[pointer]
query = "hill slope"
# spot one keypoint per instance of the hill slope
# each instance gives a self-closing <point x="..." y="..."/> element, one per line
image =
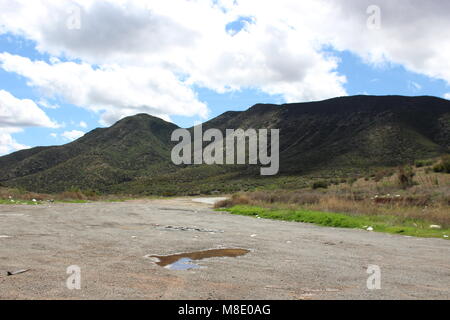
<point x="346" y="134"/>
<point x="100" y="158"/>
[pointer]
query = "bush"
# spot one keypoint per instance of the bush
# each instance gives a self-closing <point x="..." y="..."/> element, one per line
<point x="381" y="174"/>
<point x="351" y="181"/>
<point x="236" y="199"/>
<point x="444" y="165"/>
<point x="423" y="163"/>
<point x="320" y="184"/>
<point x="405" y="177"/>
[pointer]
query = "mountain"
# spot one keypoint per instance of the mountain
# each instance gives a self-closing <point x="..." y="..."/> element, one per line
<point x="102" y="157"/>
<point x="346" y="134"/>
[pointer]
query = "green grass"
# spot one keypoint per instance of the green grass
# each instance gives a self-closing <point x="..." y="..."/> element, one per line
<point x="388" y="224"/>
<point x="72" y="201"/>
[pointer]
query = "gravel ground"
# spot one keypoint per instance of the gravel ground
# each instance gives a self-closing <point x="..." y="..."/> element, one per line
<point x="111" y="242"/>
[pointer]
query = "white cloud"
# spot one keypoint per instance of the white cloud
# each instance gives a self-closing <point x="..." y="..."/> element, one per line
<point x="82" y="124"/>
<point x="447" y="96"/>
<point x="7" y="143"/>
<point x="161" y="46"/>
<point x="414" y="86"/>
<point x="148" y="56"/>
<point x="113" y="90"/>
<point x="412" y="33"/>
<point x="45" y="104"/>
<point x="72" y="135"/>
<point x="16" y="114"/>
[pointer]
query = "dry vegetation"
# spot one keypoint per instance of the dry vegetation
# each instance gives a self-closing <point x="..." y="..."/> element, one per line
<point x="416" y="193"/>
<point x="69" y="196"/>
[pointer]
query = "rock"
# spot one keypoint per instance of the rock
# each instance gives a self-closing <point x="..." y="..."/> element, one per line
<point x="435" y="226"/>
<point x="13" y="273"/>
<point x="369" y="229"/>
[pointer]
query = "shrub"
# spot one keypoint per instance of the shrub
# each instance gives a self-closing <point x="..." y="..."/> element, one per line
<point x="405" y="177"/>
<point x="423" y="163"/>
<point x="444" y="165"/>
<point x="236" y="199"/>
<point x="320" y="184"/>
<point x="351" y="181"/>
<point x="381" y="174"/>
<point x="90" y="193"/>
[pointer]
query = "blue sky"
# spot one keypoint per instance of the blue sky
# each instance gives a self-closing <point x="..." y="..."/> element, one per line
<point x="273" y="69"/>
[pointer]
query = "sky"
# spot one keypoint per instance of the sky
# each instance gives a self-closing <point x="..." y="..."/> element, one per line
<point x="70" y="66"/>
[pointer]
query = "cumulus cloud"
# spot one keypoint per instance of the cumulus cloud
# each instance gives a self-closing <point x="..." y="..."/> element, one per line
<point x="114" y="90"/>
<point x="72" y="135"/>
<point x="7" y="143"/>
<point x="412" y="33"/>
<point x="178" y="48"/>
<point x="107" y="30"/>
<point x="16" y="114"/>
<point x="83" y="124"/>
<point x="447" y="96"/>
<point x="134" y="56"/>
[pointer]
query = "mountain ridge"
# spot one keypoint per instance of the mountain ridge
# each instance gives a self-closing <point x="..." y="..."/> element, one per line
<point x="343" y="133"/>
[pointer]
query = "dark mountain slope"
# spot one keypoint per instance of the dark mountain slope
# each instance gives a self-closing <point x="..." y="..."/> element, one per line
<point x="351" y="131"/>
<point x="101" y="157"/>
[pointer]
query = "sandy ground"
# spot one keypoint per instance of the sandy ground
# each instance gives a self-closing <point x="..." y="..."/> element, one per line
<point x="110" y="242"/>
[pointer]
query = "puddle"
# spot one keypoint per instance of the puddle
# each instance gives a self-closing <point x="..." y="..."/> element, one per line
<point x="184" y="261"/>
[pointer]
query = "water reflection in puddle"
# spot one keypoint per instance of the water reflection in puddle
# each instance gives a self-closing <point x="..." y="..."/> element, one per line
<point x="182" y="264"/>
<point x="184" y="261"/>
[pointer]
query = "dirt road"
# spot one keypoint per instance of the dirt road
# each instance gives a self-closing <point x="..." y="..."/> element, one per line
<point x="112" y="242"/>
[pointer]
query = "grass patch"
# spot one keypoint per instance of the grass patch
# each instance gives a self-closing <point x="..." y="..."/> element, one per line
<point x="388" y="224"/>
<point x="72" y="201"/>
<point x="19" y="196"/>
